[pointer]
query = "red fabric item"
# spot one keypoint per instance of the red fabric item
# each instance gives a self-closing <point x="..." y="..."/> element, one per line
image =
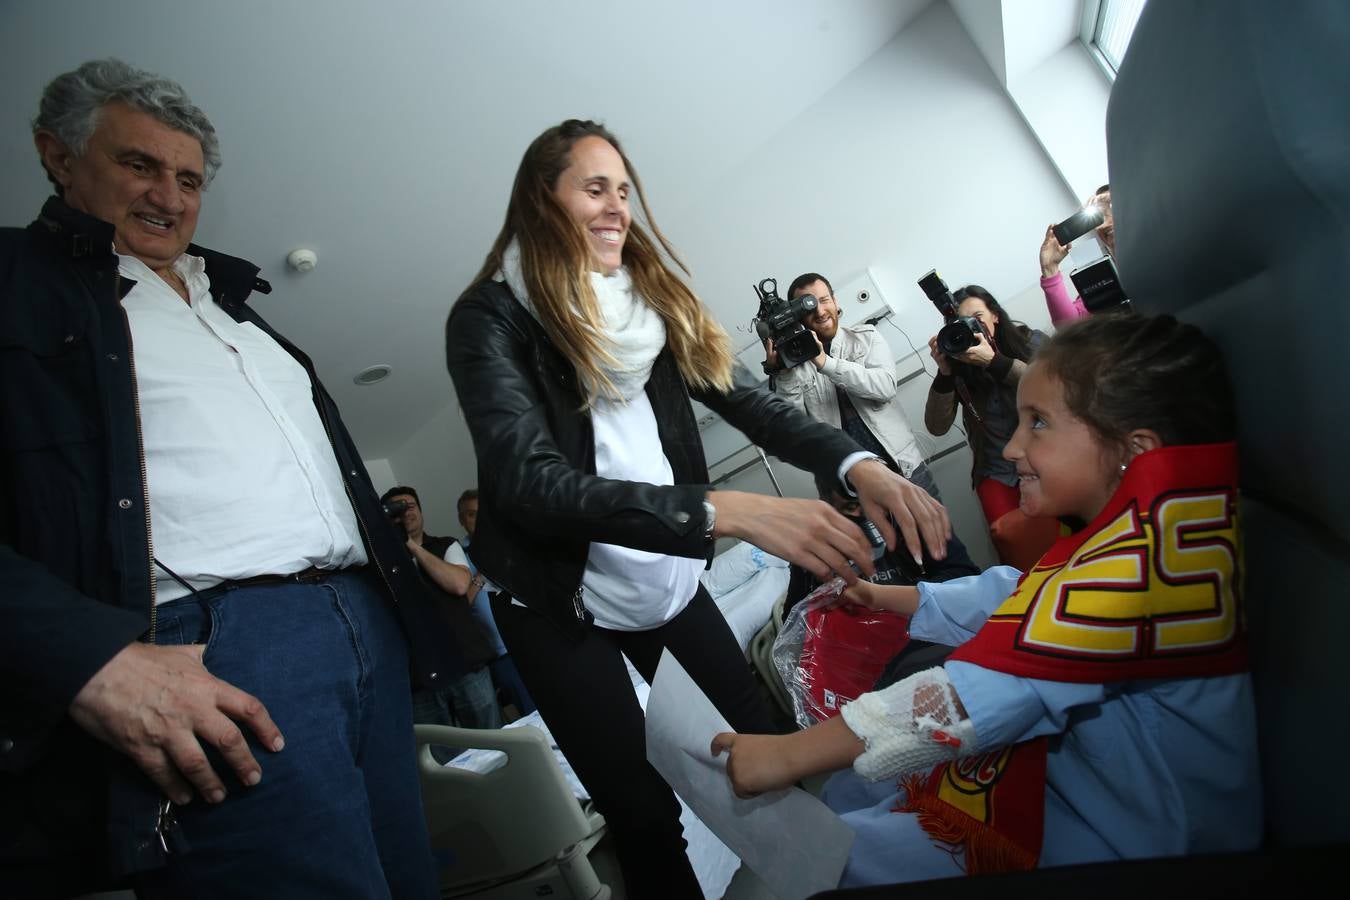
<point x="991" y="806"/>
<point x="997" y="499"/>
<point x="1019" y="539"/>
<point x="843" y="652"/>
<point x="1149" y="589"/>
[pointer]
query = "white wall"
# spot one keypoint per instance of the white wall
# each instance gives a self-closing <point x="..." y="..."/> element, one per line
<point x="1064" y="100"/>
<point x="381" y="473"/>
<point x="438" y="461"/>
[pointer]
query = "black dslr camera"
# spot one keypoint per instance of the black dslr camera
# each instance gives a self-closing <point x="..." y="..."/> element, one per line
<point x="961" y="332"/>
<point x="780" y="321"/>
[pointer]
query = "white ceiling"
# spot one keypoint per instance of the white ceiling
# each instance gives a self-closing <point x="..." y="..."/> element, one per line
<point x="385" y="136"/>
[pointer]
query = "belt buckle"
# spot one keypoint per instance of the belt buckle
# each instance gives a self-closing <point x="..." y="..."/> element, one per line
<point x="165" y="822"/>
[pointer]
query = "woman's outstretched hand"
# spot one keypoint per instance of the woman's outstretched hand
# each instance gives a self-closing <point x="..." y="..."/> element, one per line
<point x="810" y="533"/>
<point x="885" y="496"/>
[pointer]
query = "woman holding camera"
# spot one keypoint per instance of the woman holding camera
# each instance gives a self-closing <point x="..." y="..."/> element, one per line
<point x="983" y="379"/>
<point x="574" y="355"/>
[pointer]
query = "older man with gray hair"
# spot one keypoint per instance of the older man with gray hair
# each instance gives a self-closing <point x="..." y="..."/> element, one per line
<point x="205" y="684"/>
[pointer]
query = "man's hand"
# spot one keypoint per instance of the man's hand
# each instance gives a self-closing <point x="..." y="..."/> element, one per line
<point x="944" y="365"/>
<point x="158" y="704"/>
<point x="819" y="359"/>
<point x="770" y="354"/>
<point x="1052" y="253"/>
<point x="451" y="578"/>
<point x="755" y="762"/>
<point x="885" y="495"/>
<point x="810" y="533"/>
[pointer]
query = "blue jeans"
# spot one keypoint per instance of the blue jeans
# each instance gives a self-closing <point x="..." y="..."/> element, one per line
<point x="338" y="812"/>
<point x="468" y="702"/>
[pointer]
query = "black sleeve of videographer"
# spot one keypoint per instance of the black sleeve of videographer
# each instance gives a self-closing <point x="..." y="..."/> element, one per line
<point x="800" y="583"/>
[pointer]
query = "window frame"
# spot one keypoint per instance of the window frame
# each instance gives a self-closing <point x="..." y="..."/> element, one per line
<point x="1094" y="11"/>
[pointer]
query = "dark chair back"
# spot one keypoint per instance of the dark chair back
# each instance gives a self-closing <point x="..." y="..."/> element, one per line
<point x="1229" y="142"/>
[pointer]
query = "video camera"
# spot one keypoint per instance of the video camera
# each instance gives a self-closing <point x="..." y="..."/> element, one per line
<point x="780" y="321"/>
<point x="961" y="332"/>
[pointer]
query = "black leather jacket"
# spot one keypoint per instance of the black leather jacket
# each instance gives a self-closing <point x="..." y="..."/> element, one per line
<point x="540" y="502"/>
<point x="75" y="571"/>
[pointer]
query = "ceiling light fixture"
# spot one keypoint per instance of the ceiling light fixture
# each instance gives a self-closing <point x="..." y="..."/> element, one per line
<point x="373" y="374"/>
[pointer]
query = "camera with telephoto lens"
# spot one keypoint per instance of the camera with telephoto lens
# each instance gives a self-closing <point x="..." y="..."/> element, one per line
<point x="961" y="332"/>
<point x="780" y="321"/>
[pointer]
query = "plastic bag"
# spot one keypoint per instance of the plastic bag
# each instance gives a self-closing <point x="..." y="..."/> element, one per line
<point x="829" y="655"/>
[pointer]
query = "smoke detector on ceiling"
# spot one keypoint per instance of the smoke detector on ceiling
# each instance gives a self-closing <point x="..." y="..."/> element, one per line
<point x="302" y="260"/>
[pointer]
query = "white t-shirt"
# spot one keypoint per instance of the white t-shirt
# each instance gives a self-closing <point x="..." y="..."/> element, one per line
<point x="627" y="589"/>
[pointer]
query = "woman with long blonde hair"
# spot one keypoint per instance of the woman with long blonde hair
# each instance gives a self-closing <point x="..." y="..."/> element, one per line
<point x="574" y="355"/>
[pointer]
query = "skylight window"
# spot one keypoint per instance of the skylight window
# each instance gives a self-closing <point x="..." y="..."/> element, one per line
<point x="1114" y="28"/>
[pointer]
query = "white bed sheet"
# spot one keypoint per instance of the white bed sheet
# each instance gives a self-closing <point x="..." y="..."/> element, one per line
<point x="747" y="606"/>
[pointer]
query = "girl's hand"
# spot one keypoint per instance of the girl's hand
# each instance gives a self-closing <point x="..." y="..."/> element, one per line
<point x="756" y="763"/>
<point x="1052" y="253"/>
<point x="863" y="593"/>
<point x="896" y="598"/>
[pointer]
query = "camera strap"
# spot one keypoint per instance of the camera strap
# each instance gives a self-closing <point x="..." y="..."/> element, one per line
<point x="963" y="393"/>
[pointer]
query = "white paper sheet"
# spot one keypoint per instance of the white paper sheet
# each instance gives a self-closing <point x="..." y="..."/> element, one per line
<point x="790" y="839"/>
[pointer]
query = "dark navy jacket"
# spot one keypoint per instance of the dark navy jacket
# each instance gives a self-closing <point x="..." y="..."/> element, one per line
<point x="75" y="560"/>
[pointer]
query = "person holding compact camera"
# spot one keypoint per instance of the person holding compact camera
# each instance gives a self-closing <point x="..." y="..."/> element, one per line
<point x="979" y="366"/>
<point x="469" y="700"/>
<point x="1095" y="217"/>
<point x="849" y="380"/>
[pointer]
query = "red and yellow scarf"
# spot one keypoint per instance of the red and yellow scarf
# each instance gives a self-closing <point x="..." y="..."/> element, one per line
<point x="1149" y="589"/>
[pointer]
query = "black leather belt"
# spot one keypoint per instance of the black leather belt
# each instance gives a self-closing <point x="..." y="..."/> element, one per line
<point x="312" y="575"/>
<point x="308" y="576"/>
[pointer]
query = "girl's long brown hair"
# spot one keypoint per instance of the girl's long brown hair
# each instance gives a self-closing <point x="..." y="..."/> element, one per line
<point x="555" y="262"/>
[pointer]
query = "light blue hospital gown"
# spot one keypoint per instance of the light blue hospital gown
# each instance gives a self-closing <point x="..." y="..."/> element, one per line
<point x="1135" y="769"/>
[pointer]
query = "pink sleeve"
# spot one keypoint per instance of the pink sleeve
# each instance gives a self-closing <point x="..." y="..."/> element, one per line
<point x="1062" y="309"/>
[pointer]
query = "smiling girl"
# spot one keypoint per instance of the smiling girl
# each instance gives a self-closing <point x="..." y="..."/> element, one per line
<point x="1099" y="706"/>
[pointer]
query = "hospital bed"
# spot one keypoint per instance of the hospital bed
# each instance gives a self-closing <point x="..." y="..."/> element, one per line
<point x="508" y="818"/>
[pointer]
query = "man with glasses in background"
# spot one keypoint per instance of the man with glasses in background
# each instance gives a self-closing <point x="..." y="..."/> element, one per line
<point x="850" y="383"/>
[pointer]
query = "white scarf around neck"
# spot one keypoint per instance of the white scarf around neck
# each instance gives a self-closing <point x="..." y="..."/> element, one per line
<point x="633" y="331"/>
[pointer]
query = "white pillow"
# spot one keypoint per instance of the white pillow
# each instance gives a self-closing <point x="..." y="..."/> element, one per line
<point x="736" y="566"/>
